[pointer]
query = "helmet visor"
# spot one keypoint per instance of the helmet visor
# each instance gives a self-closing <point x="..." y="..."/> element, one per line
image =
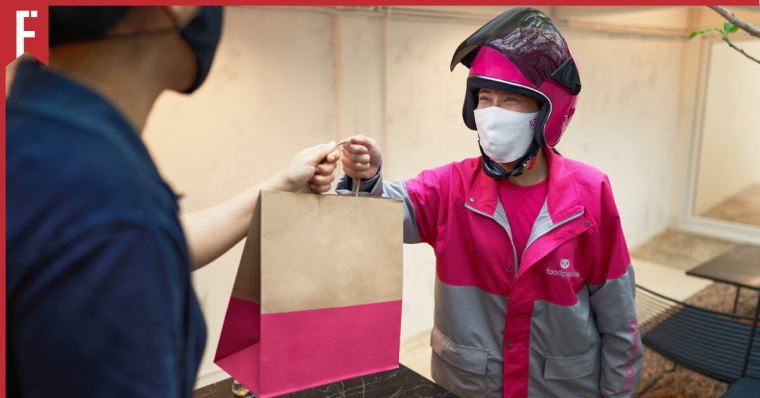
<point x="525" y="36"/>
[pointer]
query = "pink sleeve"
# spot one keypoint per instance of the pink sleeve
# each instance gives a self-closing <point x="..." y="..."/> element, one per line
<point x="612" y="256"/>
<point x="612" y="285"/>
<point x="429" y="195"/>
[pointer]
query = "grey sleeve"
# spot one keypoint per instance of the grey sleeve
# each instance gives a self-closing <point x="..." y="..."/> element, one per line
<point x="375" y="186"/>
<point x="622" y="353"/>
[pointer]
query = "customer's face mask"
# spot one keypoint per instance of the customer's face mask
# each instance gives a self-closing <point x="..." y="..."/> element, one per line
<point x="504" y="135"/>
<point x="202" y="34"/>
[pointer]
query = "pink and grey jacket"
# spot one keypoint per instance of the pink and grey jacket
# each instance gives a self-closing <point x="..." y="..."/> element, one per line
<point x="558" y="320"/>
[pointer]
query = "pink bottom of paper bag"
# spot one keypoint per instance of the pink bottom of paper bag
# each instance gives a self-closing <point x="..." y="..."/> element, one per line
<point x="238" y="350"/>
<point x="304" y="349"/>
<point x="241" y="327"/>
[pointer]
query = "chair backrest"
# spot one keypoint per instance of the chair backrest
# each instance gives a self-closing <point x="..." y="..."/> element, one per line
<point x="721" y="345"/>
<point x="751" y="363"/>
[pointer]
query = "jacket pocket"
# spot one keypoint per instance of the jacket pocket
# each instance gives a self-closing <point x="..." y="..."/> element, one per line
<point x="568" y="368"/>
<point x="469" y="359"/>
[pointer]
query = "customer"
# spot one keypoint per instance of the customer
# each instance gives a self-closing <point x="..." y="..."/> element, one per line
<point x="99" y="299"/>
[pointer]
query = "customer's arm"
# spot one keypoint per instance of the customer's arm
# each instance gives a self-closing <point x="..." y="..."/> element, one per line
<point x="211" y="232"/>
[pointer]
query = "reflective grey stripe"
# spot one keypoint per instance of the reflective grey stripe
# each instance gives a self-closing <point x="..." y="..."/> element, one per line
<point x="394" y="190"/>
<point x="472" y="319"/>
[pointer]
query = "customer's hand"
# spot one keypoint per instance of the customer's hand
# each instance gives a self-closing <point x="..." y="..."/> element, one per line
<point x="324" y="175"/>
<point x="311" y="170"/>
<point x="362" y="157"/>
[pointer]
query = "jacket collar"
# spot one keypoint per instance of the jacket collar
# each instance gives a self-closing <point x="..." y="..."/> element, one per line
<point x="563" y="199"/>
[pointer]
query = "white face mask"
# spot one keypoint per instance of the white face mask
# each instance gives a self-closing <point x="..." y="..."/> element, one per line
<point x="504" y="135"/>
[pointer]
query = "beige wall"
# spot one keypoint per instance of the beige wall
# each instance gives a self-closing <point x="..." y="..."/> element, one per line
<point x="271" y="92"/>
<point x="626" y="122"/>
<point x="285" y="79"/>
<point x="729" y="159"/>
<point x="635" y="19"/>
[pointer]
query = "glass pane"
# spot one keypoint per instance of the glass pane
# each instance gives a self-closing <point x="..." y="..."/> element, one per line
<point x="728" y="183"/>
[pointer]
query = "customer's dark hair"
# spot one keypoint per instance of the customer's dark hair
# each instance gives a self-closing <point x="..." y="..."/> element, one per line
<point x="74" y="24"/>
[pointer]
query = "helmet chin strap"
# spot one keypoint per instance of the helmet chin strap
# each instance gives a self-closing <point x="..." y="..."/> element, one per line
<point x="495" y="171"/>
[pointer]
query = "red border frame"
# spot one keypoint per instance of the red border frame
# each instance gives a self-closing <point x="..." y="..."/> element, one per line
<point x="7" y="50"/>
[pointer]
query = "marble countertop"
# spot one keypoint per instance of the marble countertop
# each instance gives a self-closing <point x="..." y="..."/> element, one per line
<point x="397" y="383"/>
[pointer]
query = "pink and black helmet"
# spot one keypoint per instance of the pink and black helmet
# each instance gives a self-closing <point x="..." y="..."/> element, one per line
<point x="522" y="52"/>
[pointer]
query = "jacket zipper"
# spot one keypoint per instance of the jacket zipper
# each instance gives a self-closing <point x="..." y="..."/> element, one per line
<point x="509" y="233"/>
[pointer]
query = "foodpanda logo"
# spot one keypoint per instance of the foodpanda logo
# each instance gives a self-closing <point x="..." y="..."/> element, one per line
<point x="533" y="123"/>
<point x="564" y="264"/>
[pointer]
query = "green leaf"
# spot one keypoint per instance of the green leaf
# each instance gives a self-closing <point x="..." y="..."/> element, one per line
<point x="729" y="28"/>
<point x="699" y="32"/>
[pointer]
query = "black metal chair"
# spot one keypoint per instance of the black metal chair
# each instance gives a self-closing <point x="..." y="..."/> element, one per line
<point x="747" y="387"/>
<point x="719" y="345"/>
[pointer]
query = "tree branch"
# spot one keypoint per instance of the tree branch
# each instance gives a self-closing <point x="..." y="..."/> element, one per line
<point x="742" y="24"/>
<point x="739" y="49"/>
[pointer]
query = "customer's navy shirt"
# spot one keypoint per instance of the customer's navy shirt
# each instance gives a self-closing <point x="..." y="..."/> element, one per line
<point x="99" y="300"/>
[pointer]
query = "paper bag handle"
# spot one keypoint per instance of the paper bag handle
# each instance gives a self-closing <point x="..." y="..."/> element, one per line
<point x="357" y="181"/>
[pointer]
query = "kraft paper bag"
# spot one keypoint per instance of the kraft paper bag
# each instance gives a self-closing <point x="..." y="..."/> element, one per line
<point x="317" y="297"/>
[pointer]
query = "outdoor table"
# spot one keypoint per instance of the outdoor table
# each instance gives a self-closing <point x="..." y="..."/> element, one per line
<point x="739" y="267"/>
<point x="399" y="383"/>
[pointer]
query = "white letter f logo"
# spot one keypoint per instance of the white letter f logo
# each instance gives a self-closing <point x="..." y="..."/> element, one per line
<point x="20" y="32"/>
